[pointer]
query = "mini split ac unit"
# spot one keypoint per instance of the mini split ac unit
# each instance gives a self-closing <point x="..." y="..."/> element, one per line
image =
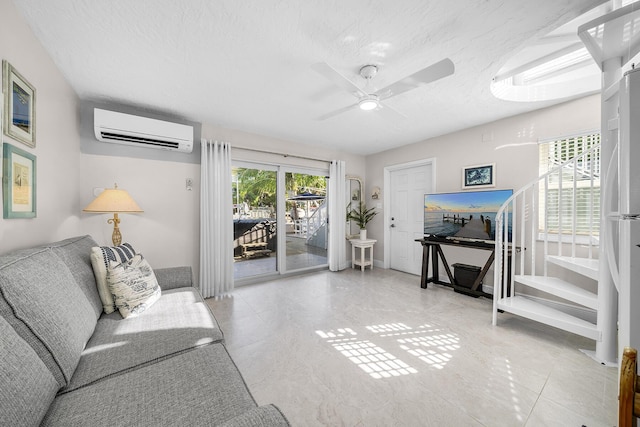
<point x="120" y="128"/>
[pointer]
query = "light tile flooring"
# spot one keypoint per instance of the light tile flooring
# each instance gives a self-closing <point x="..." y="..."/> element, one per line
<point x="374" y="349"/>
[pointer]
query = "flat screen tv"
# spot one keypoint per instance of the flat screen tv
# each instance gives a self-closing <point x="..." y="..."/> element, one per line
<point x="468" y="215"/>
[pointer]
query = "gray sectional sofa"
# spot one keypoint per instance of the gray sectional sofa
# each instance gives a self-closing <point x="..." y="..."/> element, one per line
<point x="63" y="362"/>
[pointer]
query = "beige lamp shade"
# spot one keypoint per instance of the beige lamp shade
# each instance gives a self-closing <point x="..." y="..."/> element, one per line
<point x="114" y="201"/>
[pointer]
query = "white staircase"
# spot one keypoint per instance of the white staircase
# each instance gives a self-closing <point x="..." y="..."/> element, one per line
<point x="317" y="232"/>
<point x="549" y="247"/>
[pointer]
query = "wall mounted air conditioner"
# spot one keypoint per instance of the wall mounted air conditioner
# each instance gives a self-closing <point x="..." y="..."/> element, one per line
<point x="127" y="129"/>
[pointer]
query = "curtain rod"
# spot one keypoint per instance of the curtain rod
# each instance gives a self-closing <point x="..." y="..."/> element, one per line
<point x="280" y="154"/>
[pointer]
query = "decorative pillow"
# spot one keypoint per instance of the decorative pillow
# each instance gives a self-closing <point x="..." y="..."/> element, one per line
<point x="101" y="256"/>
<point x="133" y="285"/>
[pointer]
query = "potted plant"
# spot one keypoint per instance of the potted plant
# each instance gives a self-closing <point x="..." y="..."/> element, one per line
<point x="361" y="216"/>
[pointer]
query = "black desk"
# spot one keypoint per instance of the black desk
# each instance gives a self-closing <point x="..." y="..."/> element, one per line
<point x="433" y="245"/>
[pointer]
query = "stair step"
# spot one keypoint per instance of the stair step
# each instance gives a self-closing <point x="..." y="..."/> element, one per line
<point x="525" y="307"/>
<point x="586" y="266"/>
<point x="560" y="288"/>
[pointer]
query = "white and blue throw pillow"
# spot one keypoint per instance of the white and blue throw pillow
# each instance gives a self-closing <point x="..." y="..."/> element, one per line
<point x="101" y="256"/>
<point x="133" y="285"/>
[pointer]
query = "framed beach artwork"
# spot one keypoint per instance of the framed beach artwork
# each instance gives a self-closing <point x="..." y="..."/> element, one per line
<point x="19" y="117"/>
<point x="480" y="176"/>
<point x="18" y="183"/>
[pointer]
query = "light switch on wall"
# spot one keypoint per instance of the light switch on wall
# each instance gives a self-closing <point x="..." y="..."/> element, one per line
<point x="189" y="184"/>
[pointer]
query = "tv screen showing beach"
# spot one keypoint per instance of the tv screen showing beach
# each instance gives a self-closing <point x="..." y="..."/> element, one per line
<point x="465" y="215"/>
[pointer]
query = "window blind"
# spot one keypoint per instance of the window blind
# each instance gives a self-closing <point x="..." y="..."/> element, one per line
<point x="560" y="200"/>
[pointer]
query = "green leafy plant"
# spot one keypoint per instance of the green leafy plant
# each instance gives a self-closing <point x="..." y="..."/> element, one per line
<point x="361" y="215"/>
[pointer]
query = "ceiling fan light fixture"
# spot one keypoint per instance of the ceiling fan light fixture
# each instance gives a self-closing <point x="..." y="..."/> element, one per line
<point x="368" y="103"/>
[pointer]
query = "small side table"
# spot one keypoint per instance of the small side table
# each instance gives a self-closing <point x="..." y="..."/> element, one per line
<point x="363" y="245"/>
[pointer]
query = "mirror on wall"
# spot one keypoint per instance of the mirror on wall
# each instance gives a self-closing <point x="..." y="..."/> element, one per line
<point x="354" y="194"/>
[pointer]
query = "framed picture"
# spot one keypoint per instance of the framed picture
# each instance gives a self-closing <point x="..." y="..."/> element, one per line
<point x="19" y="116"/>
<point x="18" y="183"/>
<point x="480" y="176"/>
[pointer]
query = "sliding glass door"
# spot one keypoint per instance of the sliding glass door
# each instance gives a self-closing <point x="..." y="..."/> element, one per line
<point x="280" y="219"/>
<point x="307" y="221"/>
<point x="254" y="190"/>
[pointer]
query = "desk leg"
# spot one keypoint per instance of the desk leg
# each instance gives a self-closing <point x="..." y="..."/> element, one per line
<point x="446" y="266"/>
<point x="371" y="253"/>
<point x="483" y="273"/>
<point x="435" y="265"/>
<point x="425" y="266"/>
<point x="362" y="257"/>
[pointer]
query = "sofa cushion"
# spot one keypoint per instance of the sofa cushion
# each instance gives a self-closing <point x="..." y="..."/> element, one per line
<point x="174" y="277"/>
<point x="100" y="258"/>
<point x="133" y="286"/>
<point x="178" y="321"/>
<point x="198" y="387"/>
<point x="76" y="254"/>
<point x="27" y="387"/>
<point x="40" y="298"/>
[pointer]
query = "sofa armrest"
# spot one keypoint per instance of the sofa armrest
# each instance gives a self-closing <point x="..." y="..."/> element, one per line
<point x="268" y="415"/>
<point x="174" y="277"/>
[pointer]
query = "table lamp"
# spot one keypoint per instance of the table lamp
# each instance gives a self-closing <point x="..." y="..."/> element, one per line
<point x="114" y="201"/>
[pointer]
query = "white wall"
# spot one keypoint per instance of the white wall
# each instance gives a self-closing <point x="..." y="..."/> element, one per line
<point x="57" y="139"/>
<point x="166" y="233"/>
<point x="510" y="143"/>
<point x="355" y="164"/>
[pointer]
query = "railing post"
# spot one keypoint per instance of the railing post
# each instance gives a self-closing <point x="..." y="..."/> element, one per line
<point x="497" y="274"/>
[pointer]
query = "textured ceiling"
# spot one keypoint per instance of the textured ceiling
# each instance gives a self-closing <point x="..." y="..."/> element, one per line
<point x="246" y="64"/>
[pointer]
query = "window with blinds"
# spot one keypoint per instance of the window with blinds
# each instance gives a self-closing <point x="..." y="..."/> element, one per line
<point x="571" y="202"/>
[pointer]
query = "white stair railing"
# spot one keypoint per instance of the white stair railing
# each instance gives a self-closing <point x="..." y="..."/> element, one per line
<point x="317" y="220"/>
<point x="551" y="216"/>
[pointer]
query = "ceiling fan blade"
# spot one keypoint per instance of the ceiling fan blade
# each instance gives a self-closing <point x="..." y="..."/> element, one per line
<point x="338" y="79"/>
<point x="426" y="75"/>
<point x="390" y="113"/>
<point x="336" y="112"/>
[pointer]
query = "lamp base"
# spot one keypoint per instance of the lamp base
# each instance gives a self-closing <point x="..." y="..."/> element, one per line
<point x="116" y="237"/>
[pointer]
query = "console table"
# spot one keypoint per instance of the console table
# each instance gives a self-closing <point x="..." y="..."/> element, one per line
<point x="363" y="245"/>
<point x="432" y="245"/>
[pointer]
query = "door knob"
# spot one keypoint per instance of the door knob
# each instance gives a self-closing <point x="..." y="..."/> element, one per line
<point x="393" y="225"/>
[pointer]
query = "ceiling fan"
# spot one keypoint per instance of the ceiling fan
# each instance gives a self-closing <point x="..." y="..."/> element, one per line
<point x="373" y="100"/>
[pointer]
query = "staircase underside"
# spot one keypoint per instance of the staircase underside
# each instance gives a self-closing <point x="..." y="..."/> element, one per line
<point x="560" y="288"/>
<point x="577" y="297"/>
<point x="588" y="267"/>
<point x="525" y="307"/>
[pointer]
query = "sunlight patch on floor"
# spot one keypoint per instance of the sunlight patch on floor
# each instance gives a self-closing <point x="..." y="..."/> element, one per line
<point x="434" y="349"/>
<point x="368" y="356"/>
<point x="502" y="369"/>
<point x="374" y="360"/>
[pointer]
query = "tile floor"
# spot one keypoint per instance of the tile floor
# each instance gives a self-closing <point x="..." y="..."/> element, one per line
<point x="374" y="349"/>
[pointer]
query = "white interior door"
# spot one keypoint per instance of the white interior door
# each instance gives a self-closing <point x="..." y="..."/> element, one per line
<point x="407" y="189"/>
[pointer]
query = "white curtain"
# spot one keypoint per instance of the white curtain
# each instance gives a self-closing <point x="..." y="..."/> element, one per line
<point x="337" y="216"/>
<point x="216" y="219"/>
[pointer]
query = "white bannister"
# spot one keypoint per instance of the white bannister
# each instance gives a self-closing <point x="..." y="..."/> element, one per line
<point x="518" y="231"/>
<point x="317" y="219"/>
